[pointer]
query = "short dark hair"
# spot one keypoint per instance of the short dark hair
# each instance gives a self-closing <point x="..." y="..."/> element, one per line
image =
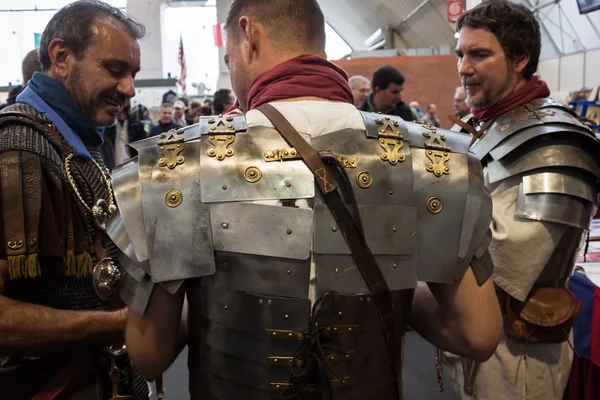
<point x="72" y="24"/>
<point x="221" y="97"/>
<point x="299" y="22"/>
<point x="386" y="75"/>
<point x="206" y="111"/>
<point x="514" y="25"/>
<point x="30" y="65"/>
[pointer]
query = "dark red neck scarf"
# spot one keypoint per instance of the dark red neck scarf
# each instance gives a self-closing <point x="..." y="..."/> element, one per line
<point x="304" y="76"/>
<point x="533" y="89"/>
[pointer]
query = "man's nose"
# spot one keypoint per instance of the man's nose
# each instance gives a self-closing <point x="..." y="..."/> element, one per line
<point x="126" y="87"/>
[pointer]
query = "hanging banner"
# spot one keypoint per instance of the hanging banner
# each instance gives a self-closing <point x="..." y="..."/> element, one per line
<point x="218" y="35"/>
<point x="37" y="38"/>
<point x="455" y="9"/>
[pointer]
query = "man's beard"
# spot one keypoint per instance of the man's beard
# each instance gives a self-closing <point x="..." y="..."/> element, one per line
<point x="82" y="98"/>
<point x="487" y="99"/>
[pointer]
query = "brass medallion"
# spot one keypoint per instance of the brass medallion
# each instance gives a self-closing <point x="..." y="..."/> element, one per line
<point x="435" y="205"/>
<point x="173" y="198"/>
<point x="364" y="179"/>
<point x="253" y="174"/>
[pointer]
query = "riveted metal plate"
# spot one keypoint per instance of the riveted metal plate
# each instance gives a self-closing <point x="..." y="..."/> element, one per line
<point x="266" y="275"/>
<point x="557" y="208"/>
<point x="557" y="154"/>
<point x="553" y="182"/>
<point x="126" y="184"/>
<point x="389" y="230"/>
<point x="248" y="313"/>
<point x="181" y="237"/>
<point x="231" y="223"/>
<point x="223" y="181"/>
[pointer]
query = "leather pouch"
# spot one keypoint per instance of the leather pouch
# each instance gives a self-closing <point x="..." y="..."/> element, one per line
<point x="546" y="316"/>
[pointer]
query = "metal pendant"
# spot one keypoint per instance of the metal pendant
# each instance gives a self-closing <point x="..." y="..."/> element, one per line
<point x="101" y="211"/>
<point x="105" y="278"/>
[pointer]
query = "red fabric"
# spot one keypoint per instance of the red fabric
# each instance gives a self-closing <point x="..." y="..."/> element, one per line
<point x="533" y="89"/>
<point x="304" y="76"/>
<point x="584" y="381"/>
<point x="595" y="338"/>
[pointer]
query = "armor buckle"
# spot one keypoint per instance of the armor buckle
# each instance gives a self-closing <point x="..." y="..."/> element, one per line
<point x="437" y="151"/>
<point x="171" y="145"/>
<point x="289" y="153"/>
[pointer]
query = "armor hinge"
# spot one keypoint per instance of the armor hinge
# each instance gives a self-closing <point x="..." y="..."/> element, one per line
<point x="391" y="140"/>
<point x="340" y="382"/>
<point x="221" y="135"/>
<point x="170" y="146"/>
<point x="341" y="329"/>
<point x="281" y="154"/>
<point x="279" y="386"/>
<point x="279" y="334"/>
<point x="348" y="161"/>
<point x="338" y="358"/>
<point x="285" y="361"/>
<point x="437" y="151"/>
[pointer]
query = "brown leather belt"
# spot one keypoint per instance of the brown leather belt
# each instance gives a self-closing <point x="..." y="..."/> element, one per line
<point x="352" y="234"/>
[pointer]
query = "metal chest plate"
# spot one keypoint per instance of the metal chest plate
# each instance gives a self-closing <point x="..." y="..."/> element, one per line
<point x="264" y="230"/>
<point x="229" y="179"/>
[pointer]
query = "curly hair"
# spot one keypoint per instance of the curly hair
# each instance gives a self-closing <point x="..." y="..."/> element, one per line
<point x="515" y="27"/>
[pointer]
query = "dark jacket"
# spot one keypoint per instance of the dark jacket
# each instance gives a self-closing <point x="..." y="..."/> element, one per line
<point x="136" y="130"/>
<point x="162" y="128"/>
<point x="401" y="110"/>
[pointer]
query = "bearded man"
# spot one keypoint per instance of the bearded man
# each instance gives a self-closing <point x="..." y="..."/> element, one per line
<point x="61" y="334"/>
<point x="541" y="167"/>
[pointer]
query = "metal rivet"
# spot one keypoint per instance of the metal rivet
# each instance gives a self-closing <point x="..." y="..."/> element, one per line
<point x="290" y="334"/>
<point x="225" y="225"/>
<point x="362" y="299"/>
<point x="286" y="316"/>
<point x="289" y="272"/>
<point x="274" y="334"/>
<point x="340" y="314"/>
<point x="275" y="360"/>
<point x="226" y="307"/>
<point x="333" y="228"/>
<point x="394" y="229"/>
<point x="224" y="187"/>
<point x="391" y="193"/>
<point x="260" y="301"/>
<point x="368" y="299"/>
<point x="337" y="270"/>
<point x="335" y="329"/>
<point x="395" y="265"/>
<point x="289" y="231"/>
<point x="349" y="329"/>
<point x="269" y="302"/>
<point x="288" y="184"/>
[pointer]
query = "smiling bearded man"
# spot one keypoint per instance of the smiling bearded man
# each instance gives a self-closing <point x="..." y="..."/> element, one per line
<point x="541" y="167"/>
<point x="56" y="330"/>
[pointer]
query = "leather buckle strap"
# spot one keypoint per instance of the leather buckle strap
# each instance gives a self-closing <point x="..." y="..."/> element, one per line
<point x="352" y="234"/>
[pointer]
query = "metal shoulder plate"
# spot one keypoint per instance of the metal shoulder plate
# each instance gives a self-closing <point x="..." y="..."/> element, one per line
<point x="416" y="187"/>
<point x="538" y="118"/>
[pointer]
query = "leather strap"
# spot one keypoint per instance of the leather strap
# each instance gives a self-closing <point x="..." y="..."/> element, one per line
<point x="354" y="238"/>
<point x="68" y="378"/>
<point x="32" y="190"/>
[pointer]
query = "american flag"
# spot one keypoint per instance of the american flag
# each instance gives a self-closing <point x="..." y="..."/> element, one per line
<point x="183" y="75"/>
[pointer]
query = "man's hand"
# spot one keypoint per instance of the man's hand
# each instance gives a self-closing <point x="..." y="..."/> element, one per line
<point x="462" y="318"/>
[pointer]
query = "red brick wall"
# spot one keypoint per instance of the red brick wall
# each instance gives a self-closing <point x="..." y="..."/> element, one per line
<point x="429" y="79"/>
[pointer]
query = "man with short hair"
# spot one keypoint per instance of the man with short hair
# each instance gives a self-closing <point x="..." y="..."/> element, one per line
<point x="61" y="331"/>
<point x="222" y="101"/>
<point x="165" y="121"/>
<point x="193" y="112"/>
<point x="244" y="229"/>
<point x="461" y="109"/>
<point x="179" y="109"/>
<point x="386" y="98"/>
<point x="360" y="88"/>
<point x="541" y="166"/>
<point x="431" y="116"/>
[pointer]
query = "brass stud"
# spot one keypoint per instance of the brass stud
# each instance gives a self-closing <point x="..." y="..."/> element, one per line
<point x="335" y="329"/>
<point x="163" y="136"/>
<point x="350" y="329"/>
<point x="337" y="270"/>
<point x="333" y="228"/>
<point x="289" y="272"/>
<point x="288" y="184"/>
<point x="224" y="187"/>
<point x="274" y="334"/>
<point x="253" y="174"/>
<point x="289" y="231"/>
<point x="435" y="205"/>
<point x="226" y="307"/>
<point x="391" y="193"/>
<point x="348" y="356"/>
<point x="173" y="198"/>
<point x="275" y="360"/>
<point x="290" y="334"/>
<point x="225" y="225"/>
<point x="364" y="179"/>
<point x="286" y="316"/>
<point x="394" y="229"/>
<point x="340" y="314"/>
<point x="395" y="265"/>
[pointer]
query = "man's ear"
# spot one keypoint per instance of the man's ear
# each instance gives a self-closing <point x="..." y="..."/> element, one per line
<point x="249" y="36"/>
<point x="60" y="57"/>
<point x="521" y="62"/>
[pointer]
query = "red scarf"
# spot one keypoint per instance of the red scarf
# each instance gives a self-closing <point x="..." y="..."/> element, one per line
<point x="533" y="89"/>
<point x="304" y="76"/>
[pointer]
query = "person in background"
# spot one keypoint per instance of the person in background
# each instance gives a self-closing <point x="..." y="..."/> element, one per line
<point x="461" y="109"/>
<point x="361" y="88"/>
<point x="165" y="121"/>
<point x="29" y="65"/>
<point x="179" y="113"/>
<point x="388" y="84"/>
<point x="431" y="116"/>
<point x="192" y="112"/>
<point x="417" y="108"/>
<point x="208" y="103"/>
<point x="222" y="101"/>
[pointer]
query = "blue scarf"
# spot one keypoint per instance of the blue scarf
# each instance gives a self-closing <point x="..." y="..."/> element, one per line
<point x="55" y="95"/>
